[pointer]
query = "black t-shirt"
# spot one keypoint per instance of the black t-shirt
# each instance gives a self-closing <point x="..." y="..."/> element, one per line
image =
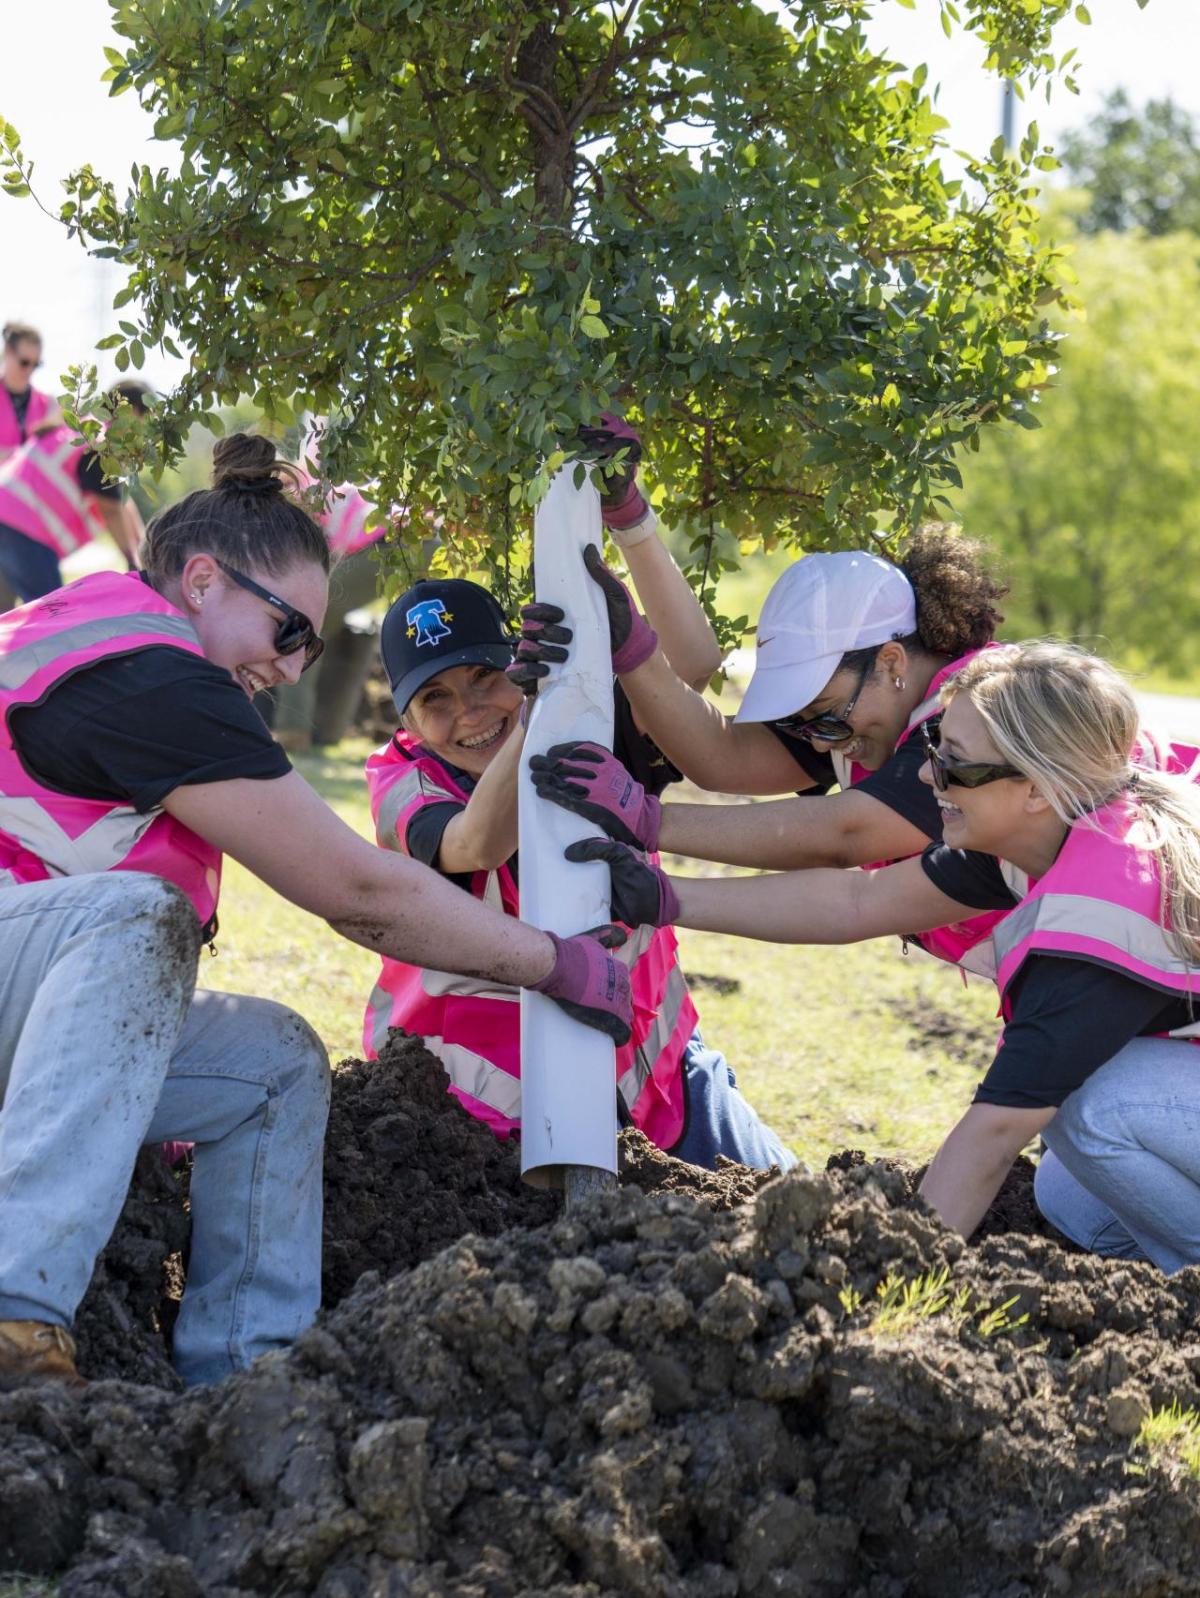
<point x="20" y="405"/>
<point x="91" y="478"/>
<point x="1069" y="1015"/>
<point x="639" y="754"/>
<point x="132" y="728"/>
<point x="896" y="783"/>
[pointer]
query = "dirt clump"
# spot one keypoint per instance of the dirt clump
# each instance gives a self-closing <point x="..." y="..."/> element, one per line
<point x="653" y="1397"/>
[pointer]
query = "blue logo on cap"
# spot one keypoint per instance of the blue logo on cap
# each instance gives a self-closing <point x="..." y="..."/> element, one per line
<point x="427" y="622"/>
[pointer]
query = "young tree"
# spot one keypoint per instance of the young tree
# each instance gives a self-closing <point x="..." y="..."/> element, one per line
<point x="1097" y="511"/>
<point x="462" y="229"/>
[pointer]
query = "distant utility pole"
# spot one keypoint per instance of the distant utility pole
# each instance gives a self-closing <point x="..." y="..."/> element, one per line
<point x="1008" y="113"/>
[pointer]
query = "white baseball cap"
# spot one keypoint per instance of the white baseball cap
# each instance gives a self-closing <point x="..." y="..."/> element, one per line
<point x="822" y="607"/>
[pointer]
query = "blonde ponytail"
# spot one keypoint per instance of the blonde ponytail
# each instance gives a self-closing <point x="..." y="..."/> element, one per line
<point x="1070" y="722"/>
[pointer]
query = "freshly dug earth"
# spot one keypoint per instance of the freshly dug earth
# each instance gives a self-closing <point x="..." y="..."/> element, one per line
<point x="668" y="1393"/>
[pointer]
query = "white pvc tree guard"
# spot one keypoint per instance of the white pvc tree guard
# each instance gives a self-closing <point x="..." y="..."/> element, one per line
<point x="568" y="1074"/>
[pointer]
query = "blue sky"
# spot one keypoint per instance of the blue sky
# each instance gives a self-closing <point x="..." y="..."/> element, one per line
<point x="52" y="93"/>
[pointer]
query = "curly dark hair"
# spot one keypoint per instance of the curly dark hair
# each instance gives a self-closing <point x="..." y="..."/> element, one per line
<point x="246" y="518"/>
<point x="956" y="596"/>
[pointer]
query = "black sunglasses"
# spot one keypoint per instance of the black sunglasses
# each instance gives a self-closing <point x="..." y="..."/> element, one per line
<point x="828" y="727"/>
<point x="295" y="631"/>
<point x="965" y="774"/>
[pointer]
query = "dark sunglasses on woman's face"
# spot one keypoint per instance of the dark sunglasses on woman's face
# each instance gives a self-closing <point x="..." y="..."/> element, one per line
<point x="294" y="632"/>
<point x="829" y="727"/>
<point x="961" y="774"/>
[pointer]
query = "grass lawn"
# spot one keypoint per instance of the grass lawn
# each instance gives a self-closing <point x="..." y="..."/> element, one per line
<point x="837" y="1048"/>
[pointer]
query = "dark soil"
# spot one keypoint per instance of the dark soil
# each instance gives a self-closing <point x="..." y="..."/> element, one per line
<point x="669" y="1394"/>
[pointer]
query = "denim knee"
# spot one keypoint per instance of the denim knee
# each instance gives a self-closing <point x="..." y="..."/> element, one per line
<point x="299" y="1061"/>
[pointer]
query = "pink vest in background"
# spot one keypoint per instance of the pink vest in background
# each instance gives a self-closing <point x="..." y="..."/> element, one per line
<point x="345" y="522"/>
<point x="44" y="833"/>
<point x="12" y="435"/>
<point x="40" y="494"/>
<point x="966" y="944"/>
<point x="474" y="1026"/>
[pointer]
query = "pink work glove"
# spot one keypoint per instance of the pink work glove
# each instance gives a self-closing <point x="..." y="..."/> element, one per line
<point x="543" y="643"/>
<point x="622" y="504"/>
<point x="589" y="780"/>
<point x="630" y="636"/>
<point x="589" y="983"/>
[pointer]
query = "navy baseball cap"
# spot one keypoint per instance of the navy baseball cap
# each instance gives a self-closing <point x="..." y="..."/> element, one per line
<point x="438" y="624"/>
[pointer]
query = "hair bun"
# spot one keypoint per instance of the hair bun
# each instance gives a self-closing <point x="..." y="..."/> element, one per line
<point x="248" y="464"/>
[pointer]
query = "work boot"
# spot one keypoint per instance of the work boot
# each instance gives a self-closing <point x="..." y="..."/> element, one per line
<point x="32" y="1351"/>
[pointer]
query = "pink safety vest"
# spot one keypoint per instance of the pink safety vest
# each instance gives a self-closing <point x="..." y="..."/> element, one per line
<point x="966" y="944"/>
<point x="44" y="833"/>
<point x="40" y="494"/>
<point x="1101" y="899"/>
<point x="345" y="522"/>
<point x="12" y="434"/>
<point x="474" y="1026"/>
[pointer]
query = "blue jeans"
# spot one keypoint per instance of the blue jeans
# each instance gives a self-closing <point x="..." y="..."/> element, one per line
<point x="1122" y="1171"/>
<point x="31" y="568"/>
<point x="104" y="1047"/>
<point x="719" y="1120"/>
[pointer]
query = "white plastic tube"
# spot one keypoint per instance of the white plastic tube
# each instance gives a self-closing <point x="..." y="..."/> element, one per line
<point x="568" y="1072"/>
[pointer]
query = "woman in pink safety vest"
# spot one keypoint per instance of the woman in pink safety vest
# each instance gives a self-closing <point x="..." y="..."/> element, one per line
<point x="131" y="760"/>
<point x="444" y="790"/>
<point x="852" y="651"/>
<point x="22" y="407"/>
<point x="54" y="499"/>
<point x="1085" y="830"/>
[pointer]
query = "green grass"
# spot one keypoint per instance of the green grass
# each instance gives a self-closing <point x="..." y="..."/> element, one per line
<point x="836" y="1047"/>
<point x="1171" y="1435"/>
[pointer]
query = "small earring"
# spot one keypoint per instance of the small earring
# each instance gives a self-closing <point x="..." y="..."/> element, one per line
<point x="900" y="683"/>
<point x="197" y="599"/>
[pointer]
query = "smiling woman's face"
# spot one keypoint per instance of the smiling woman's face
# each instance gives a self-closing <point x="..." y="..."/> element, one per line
<point x="879" y="713"/>
<point x="997" y="818"/>
<point x="465" y="714"/>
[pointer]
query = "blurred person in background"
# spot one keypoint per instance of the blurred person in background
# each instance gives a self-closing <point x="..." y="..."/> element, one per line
<point x="22" y="407"/>
<point x="54" y="498"/>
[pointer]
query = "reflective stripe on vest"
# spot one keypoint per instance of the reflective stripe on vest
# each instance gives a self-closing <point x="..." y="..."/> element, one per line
<point x="40" y="493"/>
<point x="18" y="666"/>
<point x="1101" y="901"/>
<point x="45" y="833"/>
<point x="666" y="1019"/>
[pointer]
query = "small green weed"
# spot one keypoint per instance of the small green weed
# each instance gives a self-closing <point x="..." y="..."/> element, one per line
<point x="903" y="1304"/>
<point x="1170" y="1434"/>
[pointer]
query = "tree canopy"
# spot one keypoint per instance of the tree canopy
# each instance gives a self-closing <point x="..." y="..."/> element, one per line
<point x="1139" y="169"/>
<point x="1096" y="511"/>
<point x="462" y="229"/>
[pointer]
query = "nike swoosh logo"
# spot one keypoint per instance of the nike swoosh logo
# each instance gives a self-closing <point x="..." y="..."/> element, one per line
<point x="763" y="641"/>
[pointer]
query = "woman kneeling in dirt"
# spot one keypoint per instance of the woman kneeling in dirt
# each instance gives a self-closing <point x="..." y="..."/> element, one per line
<point x="852" y="652"/>
<point x="444" y="791"/>
<point x="131" y="757"/>
<point x="1087" y="832"/>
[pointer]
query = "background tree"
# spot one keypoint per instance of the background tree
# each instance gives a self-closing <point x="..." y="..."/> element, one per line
<point x="461" y="229"/>
<point x="1139" y="169"/>
<point x="1096" y="512"/>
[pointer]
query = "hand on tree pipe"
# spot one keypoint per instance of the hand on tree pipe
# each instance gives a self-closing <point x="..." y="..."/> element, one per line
<point x="630" y="635"/>
<point x="589" y="984"/>
<point x="623" y="507"/>
<point x="543" y="642"/>
<point x="589" y="780"/>
<point x="642" y="895"/>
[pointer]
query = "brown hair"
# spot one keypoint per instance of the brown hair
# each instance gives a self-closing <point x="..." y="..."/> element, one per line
<point x="15" y="331"/>
<point x="246" y="518"/>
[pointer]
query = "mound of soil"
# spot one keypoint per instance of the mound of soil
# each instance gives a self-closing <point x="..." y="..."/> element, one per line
<point x="688" y="1393"/>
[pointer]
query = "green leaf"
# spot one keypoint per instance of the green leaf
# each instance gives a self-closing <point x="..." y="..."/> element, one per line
<point x="592" y="327"/>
